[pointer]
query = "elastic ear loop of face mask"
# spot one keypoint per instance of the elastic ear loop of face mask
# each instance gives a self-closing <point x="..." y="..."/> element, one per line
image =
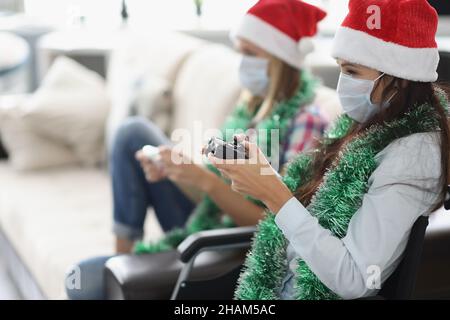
<point x="389" y="100"/>
<point x="375" y="80"/>
<point x="392" y="96"/>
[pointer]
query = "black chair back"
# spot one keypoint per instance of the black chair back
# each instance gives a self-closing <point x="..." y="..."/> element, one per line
<point x="219" y="288"/>
<point x="444" y="67"/>
<point x="400" y="285"/>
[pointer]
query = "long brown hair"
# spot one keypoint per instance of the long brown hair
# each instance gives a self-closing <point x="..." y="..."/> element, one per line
<point x="284" y="82"/>
<point x="408" y="94"/>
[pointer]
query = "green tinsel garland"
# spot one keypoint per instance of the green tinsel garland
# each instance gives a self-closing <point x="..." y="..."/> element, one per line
<point x="207" y="215"/>
<point x="334" y="204"/>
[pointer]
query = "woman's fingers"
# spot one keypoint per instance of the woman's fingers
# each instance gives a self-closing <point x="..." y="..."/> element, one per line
<point x="164" y="148"/>
<point x="224" y="174"/>
<point x="138" y="155"/>
<point x="222" y="164"/>
<point x="203" y="150"/>
<point x="171" y="157"/>
<point x="165" y="152"/>
<point x="168" y="157"/>
<point x="240" y="137"/>
<point x="232" y="171"/>
<point x="143" y="160"/>
<point x="141" y="157"/>
<point x="213" y="161"/>
<point x="238" y="186"/>
<point x="152" y="172"/>
<point x="250" y="148"/>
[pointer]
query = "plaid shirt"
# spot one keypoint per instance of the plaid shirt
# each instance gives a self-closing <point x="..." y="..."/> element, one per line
<point x="306" y="128"/>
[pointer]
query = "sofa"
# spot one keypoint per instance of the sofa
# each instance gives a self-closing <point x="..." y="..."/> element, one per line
<point x="53" y="217"/>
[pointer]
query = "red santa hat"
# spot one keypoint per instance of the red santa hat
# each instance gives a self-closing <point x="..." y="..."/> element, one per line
<point x="282" y="28"/>
<point x="396" y="37"/>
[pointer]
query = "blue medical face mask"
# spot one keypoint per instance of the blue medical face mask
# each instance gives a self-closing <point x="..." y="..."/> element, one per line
<point x="253" y="74"/>
<point x="355" y="96"/>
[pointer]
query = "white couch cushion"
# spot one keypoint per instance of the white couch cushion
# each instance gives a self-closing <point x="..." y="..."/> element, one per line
<point x="71" y="107"/>
<point x="27" y="149"/>
<point x="65" y="218"/>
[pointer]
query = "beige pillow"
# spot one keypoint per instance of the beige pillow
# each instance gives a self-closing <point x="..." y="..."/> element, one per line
<point x="71" y="107"/>
<point x="28" y="150"/>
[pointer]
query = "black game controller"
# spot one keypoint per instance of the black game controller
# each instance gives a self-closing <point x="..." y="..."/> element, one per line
<point x="226" y="150"/>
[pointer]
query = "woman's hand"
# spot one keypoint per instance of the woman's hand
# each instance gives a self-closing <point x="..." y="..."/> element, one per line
<point x="153" y="171"/>
<point x="181" y="169"/>
<point x="254" y="177"/>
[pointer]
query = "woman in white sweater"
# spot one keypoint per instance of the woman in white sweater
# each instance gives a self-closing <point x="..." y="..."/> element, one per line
<point x="340" y="218"/>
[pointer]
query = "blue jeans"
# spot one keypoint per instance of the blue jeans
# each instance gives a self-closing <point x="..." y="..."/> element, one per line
<point x="132" y="193"/>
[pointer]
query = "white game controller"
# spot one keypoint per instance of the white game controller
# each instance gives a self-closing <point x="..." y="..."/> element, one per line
<point x="151" y="153"/>
<point x="225" y="150"/>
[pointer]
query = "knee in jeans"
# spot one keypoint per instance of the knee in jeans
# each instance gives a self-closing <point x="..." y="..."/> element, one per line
<point x="131" y="128"/>
<point x="133" y="133"/>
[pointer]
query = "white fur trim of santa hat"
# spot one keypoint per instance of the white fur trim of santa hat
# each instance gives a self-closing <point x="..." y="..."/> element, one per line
<point x="415" y="64"/>
<point x="272" y="40"/>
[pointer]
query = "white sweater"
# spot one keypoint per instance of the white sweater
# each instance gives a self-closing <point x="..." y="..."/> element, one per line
<point x="403" y="187"/>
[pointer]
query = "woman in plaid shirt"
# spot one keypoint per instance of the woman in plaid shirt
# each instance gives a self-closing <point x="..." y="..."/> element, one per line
<point x="307" y="127"/>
